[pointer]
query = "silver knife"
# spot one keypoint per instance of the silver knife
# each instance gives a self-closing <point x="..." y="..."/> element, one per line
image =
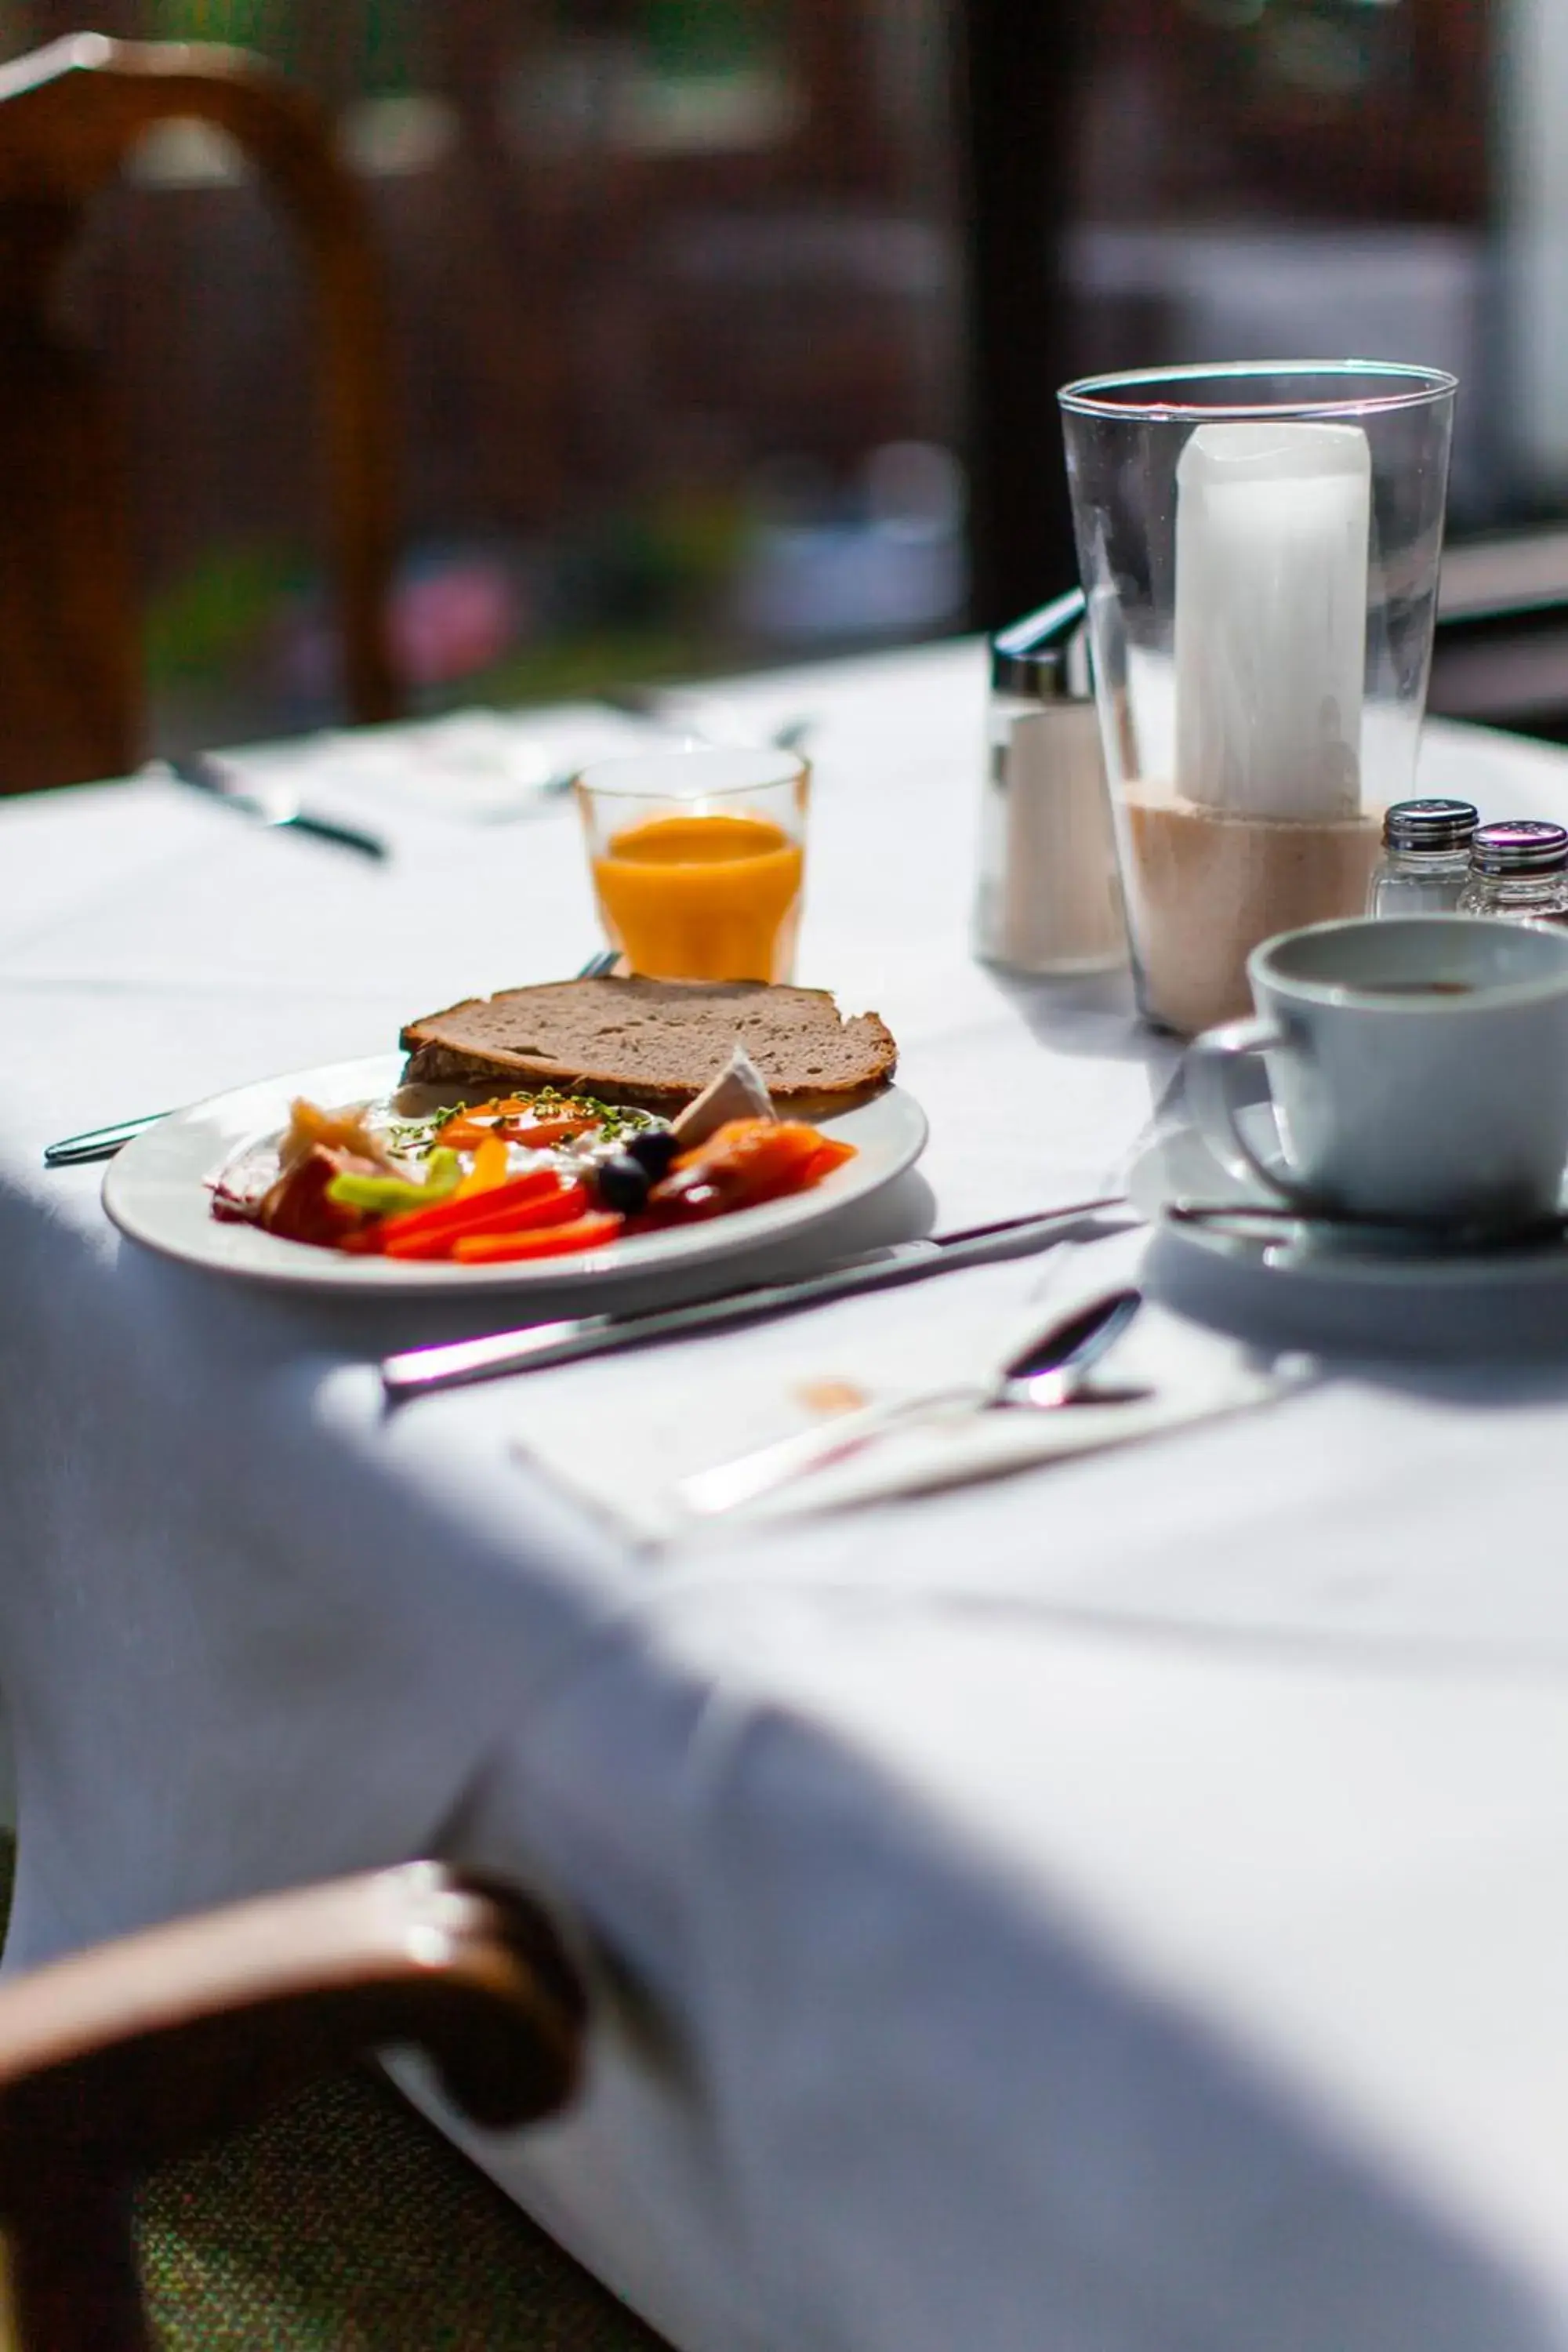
<point x="276" y="804"/>
<point x="421" y="1371"/>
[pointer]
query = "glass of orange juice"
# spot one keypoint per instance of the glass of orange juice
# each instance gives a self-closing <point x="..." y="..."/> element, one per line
<point x="699" y="856"/>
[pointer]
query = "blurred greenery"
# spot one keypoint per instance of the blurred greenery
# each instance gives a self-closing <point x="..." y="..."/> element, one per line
<point x="683" y="37"/>
<point x="264" y="24"/>
<point x="392" y="47"/>
<point x="1335" y="51"/>
<point x="219" y="614"/>
<point x="570" y="668"/>
<point x="633" y="596"/>
<point x="701" y="535"/>
<point x="381" y="36"/>
<point x="705" y="36"/>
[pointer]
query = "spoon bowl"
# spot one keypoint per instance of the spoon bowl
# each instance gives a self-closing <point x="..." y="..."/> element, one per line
<point x="1051" y="1371"/>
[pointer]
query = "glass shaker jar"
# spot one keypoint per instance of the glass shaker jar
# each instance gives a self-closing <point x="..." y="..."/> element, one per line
<point x="1519" y="869"/>
<point x="1426" y="858"/>
<point x="1048" y="901"/>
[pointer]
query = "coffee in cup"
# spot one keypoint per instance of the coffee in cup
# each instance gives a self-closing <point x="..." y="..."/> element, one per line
<point x="1417" y="1066"/>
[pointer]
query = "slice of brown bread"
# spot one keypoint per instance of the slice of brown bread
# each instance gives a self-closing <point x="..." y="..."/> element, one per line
<point x="656" y="1042"/>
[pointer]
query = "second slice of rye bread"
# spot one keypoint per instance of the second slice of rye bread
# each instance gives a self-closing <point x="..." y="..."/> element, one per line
<point x="656" y="1042"/>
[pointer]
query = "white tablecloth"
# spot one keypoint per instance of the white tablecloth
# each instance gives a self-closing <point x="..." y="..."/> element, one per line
<point x="1116" y="1909"/>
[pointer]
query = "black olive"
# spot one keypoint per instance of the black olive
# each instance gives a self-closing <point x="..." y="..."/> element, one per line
<point x="654" y="1149"/>
<point x="624" y="1184"/>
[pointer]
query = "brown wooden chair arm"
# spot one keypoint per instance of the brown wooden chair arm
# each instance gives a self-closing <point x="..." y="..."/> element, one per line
<point x="120" y="2057"/>
<point x="71" y="114"/>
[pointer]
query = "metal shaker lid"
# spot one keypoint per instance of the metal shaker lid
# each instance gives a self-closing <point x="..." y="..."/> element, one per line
<point x="1039" y="658"/>
<point x="1429" y="825"/>
<point x="1520" y="845"/>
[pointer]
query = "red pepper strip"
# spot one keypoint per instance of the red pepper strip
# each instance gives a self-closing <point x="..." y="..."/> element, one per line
<point x="492" y="1213"/>
<point x="365" y="1243"/>
<point x="554" y="1241"/>
<point x="451" y="1216"/>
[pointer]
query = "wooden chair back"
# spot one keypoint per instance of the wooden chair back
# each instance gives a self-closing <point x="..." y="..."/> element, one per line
<point x="70" y="657"/>
<point x="116" y="2059"/>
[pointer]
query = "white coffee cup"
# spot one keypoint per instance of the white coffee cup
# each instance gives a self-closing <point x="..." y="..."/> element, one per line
<point x="1419" y="1069"/>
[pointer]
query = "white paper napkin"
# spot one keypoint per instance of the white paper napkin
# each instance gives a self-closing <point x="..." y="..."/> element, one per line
<point x="622" y="1433"/>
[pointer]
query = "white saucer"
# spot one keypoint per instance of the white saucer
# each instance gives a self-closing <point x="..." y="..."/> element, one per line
<point x="1350" y="1287"/>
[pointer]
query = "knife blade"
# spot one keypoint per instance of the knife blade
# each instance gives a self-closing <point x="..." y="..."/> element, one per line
<point x="423" y="1372"/>
<point x="277" y="807"/>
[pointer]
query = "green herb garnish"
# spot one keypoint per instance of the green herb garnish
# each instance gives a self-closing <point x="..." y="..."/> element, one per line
<point x="410" y="1138"/>
<point x="618" y="1119"/>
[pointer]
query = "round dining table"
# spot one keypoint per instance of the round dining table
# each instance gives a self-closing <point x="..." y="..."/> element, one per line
<point x="1117" y="1906"/>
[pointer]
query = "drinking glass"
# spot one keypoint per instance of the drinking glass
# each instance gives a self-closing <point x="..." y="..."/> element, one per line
<point x="698" y="857"/>
<point x="1259" y="548"/>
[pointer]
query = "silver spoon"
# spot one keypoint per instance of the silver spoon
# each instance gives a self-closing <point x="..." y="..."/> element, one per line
<point x="1052" y="1371"/>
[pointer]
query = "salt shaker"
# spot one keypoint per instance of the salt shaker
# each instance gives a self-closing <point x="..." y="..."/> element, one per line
<point x="1519" y="869"/>
<point x="1426" y="858"/>
<point x="1048" y="898"/>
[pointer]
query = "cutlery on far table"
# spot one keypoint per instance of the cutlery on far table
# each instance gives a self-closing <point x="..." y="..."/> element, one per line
<point x="271" y="803"/>
<point x="1050" y="1373"/>
<point x="710" y="723"/>
<point x="422" y="1371"/>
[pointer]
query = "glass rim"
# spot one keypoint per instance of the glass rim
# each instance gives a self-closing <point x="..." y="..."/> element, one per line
<point x="1411" y="387"/>
<point x="699" y="761"/>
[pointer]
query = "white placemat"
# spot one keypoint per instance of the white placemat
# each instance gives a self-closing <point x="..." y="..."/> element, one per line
<point x="745" y="1388"/>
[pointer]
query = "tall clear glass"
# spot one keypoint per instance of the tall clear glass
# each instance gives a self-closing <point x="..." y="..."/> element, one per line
<point x="1259" y="547"/>
<point x="698" y="854"/>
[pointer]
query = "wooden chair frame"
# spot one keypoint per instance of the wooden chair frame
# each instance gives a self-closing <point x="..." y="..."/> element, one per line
<point x="69" y="116"/>
<point x="118" y="2058"/>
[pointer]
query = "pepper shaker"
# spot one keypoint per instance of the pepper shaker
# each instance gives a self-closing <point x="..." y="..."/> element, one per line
<point x="1426" y="858"/>
<point x="1519" y="869"/>
<point x="1049" y="900"/>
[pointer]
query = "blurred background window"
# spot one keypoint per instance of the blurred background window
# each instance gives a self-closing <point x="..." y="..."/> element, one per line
<point x="673" y="292"/>
<point x="677" y="289"/>
<point x="1261" y="179"/>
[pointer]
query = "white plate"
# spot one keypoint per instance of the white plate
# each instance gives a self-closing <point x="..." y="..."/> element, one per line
<point x="156" y="1190"/>
<point x="1315" y="1286"/>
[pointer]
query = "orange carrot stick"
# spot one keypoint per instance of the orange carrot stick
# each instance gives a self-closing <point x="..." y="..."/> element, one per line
<point x="556" y="1240"/>
<point x="493" y="1212"/>
<point x="452" y="1216"/>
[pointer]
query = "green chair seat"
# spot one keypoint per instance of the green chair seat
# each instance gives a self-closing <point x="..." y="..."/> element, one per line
<point x="346" y="2224"/>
